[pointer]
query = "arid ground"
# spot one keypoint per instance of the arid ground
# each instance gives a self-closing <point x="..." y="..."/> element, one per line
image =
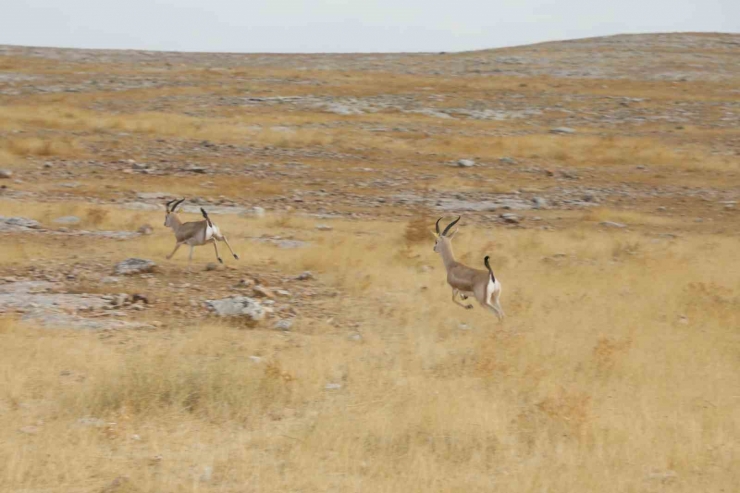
<point x="602" y="176"/>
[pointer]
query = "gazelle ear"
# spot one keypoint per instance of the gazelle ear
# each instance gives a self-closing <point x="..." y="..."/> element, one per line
<point x="434" y="234"/>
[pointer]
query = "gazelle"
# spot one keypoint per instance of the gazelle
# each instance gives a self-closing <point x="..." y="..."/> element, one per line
<point x="194" y="233"/>
<point x="466" y="281"/>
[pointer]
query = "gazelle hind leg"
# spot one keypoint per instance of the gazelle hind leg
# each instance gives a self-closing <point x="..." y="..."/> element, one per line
<point x="236" y="257"/>
<point x="215" y="247"/>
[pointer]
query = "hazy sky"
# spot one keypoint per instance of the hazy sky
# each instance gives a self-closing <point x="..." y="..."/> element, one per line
<point x="346" y="25"/>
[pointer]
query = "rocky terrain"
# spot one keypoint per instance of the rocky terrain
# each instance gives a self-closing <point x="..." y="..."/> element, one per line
<point x="588" y="169"/>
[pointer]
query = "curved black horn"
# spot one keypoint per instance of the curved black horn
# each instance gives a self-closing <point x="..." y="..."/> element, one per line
<point x="176" y="204"/>
<point x="438" y="220"/>
<point x="449" y="226"/>
<point x="167" y="205"/>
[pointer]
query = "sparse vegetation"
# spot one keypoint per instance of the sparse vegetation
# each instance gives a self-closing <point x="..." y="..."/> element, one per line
<point x="615" y="371"/>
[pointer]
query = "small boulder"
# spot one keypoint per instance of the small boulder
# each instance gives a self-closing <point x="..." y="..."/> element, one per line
<point x="5" y="174"/>
<point x="238" y="306"/>
<point x="263" y="292"/>
<point x="284" y="324"/>
<point x="67" y="220"/>
<point x="510" y="218"/>
<point x="612" y="224"/>
<point x="145" y="229"/>
<point x="539" y="202"/>
<point x="134" y="266"/>
<point x="465" y="163"/>
<point x="562" y="130"/>
<point x="305" y="276"/>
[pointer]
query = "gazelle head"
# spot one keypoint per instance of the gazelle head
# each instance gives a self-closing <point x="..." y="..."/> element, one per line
<point x="445" y="236"/>
<point x="168" y="219"/>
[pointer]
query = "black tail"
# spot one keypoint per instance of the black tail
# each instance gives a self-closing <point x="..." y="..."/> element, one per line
<point x="205" y="214"/>
<point x="485" y="261"/>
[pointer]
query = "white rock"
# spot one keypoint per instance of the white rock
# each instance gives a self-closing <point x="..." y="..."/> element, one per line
<point x="67" y="220"/>
<point x="562" y="130"/>
<point x="134" y="266"/>
<point x="238" y="306"/>
<point x="465" y="163"/>
<point x="612" y="224"/>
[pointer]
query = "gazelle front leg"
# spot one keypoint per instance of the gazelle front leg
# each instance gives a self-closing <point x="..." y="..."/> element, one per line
<point x="454" y="300"/>
<point x="223" y="238"/>
<point x="177" y="245"/>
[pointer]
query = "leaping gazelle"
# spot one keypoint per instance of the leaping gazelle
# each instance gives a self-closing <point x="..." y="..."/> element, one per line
<point x="466" y="281"/>
<point x="194" y="233"/>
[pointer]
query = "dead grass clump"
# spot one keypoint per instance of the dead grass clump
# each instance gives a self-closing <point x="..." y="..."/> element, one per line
<point x="96" y="216"/>
<point x="418" y="229"/>
<point x="41" y="147"/>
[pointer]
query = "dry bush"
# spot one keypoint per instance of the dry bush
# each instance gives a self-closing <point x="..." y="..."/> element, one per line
<point x="97" y="216"/>
<point x="418" y="229"/>
<point x="41" y="147"/>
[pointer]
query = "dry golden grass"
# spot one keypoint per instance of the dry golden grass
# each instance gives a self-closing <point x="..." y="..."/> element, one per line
<point x="616" y="370"/>
<point x="613" y="372"/>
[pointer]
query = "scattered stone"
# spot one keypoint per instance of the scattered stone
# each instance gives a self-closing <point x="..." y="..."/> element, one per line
<point x="355" y="337"/>
<point x="153" y="196"/>
<point x="145" y="229"/>
<point x="305" y="276"/>
<point x="510" y="218"/>
<point x="562" y="130"/>
<point x="117" y="485"/>
<point x="89" y="421"/>
<point x="663" y="476"/>
<point x="119" y="299"/>
<point x="196" y="169"/>
<point x="67" y="220"/>
<point x="5" y="174"/>
<point x="139" y="166"/>
<point x="324" y="227"/>
<point x="263" y="292"/>
<point x="137" y="297"/>
<point x="18" y="223"/>
<point x="465" y="163"/>
<point x="135" y="266"/>
<point x="258" y="211"/>
<point x="333" y="386"/>
<point x="255" y="359"/>
<point x="207" y="474"/>
<point x="211" y="266"/>
<point x="508" y="160"/>
<point x="539" y="202"/>
<point x="283" y="293"/>
<point x="29" y="430"/>
<point x="244" y="283"/>
<point x="238" y="306"/>
<point x="612" y="224"/>
<point x="284" y="324"/>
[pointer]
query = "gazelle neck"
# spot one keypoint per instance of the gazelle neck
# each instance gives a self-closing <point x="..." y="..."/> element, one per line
<point x="175" y="222"/>
<point x="445" y="250"/>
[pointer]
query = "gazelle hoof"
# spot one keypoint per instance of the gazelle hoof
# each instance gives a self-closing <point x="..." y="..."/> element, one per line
<point x="236" y="256"/>
<point x="220" y="260"/>
<point x="469" y="307"/>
